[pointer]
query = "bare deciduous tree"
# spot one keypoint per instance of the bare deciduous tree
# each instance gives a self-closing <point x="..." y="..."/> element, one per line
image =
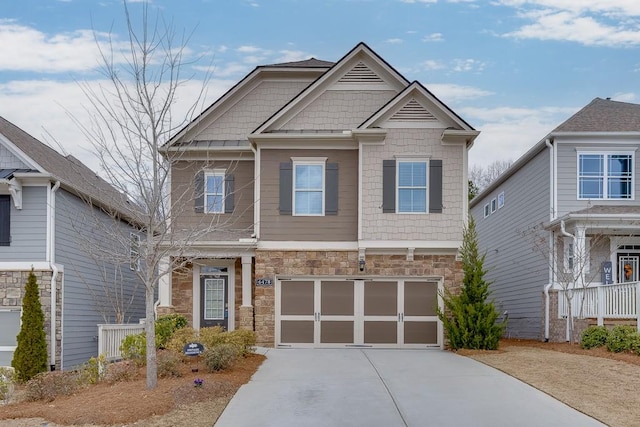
<point x="483" y="176"/>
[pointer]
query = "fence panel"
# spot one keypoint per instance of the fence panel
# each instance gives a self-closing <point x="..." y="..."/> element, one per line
<point x="110" y="337"/>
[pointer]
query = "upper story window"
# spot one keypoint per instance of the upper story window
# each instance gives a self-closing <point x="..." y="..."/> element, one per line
<point x="214" y="192"/>
<point x="412" y="186"/>
<point x="308" y="187"/>
<point x="605" y="175"/>
<point x="5" y="220"/>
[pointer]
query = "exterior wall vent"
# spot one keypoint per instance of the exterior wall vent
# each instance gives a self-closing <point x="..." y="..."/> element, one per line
<point x="413" y="111"/>
<point x="360" y="73"/>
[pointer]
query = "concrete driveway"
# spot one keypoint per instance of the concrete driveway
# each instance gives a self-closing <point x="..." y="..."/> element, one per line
<point x="375" y="387"/>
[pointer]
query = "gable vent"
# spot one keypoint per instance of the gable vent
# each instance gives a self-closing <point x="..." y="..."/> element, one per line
<point x="361" y="74"/>
<point x="413" y="111"/>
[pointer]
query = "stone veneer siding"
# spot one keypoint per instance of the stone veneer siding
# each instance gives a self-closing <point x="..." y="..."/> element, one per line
<point x="12" y="285"/>
<point x="269" y="264"/>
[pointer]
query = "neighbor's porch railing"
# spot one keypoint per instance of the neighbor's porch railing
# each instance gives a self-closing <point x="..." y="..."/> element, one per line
<point x="616" y="301"/>
<point x="110" y="337"/>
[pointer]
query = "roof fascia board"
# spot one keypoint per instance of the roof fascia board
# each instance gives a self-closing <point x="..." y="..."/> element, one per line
<point x="20" y="154"/>
<point x="343" y="140"/>
<point x="314" y="90"/>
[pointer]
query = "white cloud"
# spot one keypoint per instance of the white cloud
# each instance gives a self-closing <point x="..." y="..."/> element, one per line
<point x="291" y="56"/>
<point x="249" y="49"/>
<point x="430" y="65"/>
<point x="625" y="97"/>
<point x="433" y="37"/>
<point x="394" y="41"/>
<point x="451" y="93"/>
<point x="467" y="65"/>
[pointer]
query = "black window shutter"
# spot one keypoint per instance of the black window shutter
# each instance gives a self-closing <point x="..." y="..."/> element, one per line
<point x="229" y="188"/>
<point x="5" y="220"/>
<point x="331" y="188"/>
<point x="435" y="186"/>
<point x="199" y="192"/>
<point x="286" y="188"/>
<point x="388" y="186"/>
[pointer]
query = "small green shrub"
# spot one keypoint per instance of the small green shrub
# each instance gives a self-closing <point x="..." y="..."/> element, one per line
<point x="93" y="370"/>
<point x="220" y="357"/>
<point x="166" y="326"/>
<point x="623" y="338"/>
<point x="169" y="364"/>
<point x="46" y="386"/>
<point x="134" y="348"/>
<point x="243" y="339"/>
<point x="211" y="336"/>
<point x="180" y="338"/>
<point x="6" y="382"/>
<point x="594" y="336"/>
<point x="120" y="371"/>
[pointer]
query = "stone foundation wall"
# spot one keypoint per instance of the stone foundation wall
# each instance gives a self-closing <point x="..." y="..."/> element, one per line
<point x="269" y="264"/>
<point x="12" y="285"/>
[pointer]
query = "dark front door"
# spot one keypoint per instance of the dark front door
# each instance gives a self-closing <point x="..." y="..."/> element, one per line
<point x="214" y="295"/>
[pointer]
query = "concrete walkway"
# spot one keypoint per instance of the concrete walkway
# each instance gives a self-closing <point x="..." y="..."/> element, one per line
<point x="375" y="387"/>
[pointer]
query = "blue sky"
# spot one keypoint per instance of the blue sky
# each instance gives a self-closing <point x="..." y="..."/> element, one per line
<point x="513" y="69"/>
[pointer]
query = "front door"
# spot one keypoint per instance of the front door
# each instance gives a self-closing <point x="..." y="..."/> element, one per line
<point x="628" y="268"/>
<point x="214" y="297"/>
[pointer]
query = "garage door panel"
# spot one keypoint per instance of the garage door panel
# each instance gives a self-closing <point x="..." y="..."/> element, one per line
<point x="380" y="332"/>
<point x="421" y="332"/>
<point x="296" y="298"/>
<point x="380" y="298"/>
<point x="420" y="298"/>
<point x="337" y="332"/>
<point x="297" y="331"/>
<point x="337" y="298"/>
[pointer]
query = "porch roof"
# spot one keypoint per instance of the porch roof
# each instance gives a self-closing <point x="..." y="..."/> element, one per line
<point x="605" y="216"/>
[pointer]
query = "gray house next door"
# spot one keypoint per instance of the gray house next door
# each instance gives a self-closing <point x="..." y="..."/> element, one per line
<point x="214" y="297"/>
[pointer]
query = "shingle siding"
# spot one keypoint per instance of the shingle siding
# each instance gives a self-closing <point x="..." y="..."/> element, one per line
<point x="8" y="160"/>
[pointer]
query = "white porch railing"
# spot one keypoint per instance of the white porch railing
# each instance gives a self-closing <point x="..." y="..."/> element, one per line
<point x="616" y="301"/>
<point x="110" y="337"/>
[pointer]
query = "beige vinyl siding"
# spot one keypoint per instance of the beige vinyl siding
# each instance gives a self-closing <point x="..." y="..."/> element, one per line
<point x="339" y="109"/>
<point x="340" y="227"/>
<point x="445" y="226"/>
<point x="568" y="176"/>
<point x="252" y="110"/>
<point x="516" y="268"/>
<point x="222" y="226"/>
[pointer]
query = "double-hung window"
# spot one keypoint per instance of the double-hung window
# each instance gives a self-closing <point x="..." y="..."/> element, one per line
<point x="605" y="175"/>
<point x="308" y="187"/>
<point x="214" y="192"/>
<point x="412" y="186"/>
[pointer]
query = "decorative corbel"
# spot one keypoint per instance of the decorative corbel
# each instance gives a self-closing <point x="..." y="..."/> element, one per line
<point x="15" y="188"/>
<point x="410" y="253"/>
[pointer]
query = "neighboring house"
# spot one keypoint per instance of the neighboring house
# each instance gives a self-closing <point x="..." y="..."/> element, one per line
<point x="331" y="200"/>
<point x="562" y="216"/>
<point x="53" y="215"/>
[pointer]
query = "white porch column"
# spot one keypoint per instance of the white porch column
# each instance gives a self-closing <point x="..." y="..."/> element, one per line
<point x="164" y="282"/>
<point x="246" y="281"/>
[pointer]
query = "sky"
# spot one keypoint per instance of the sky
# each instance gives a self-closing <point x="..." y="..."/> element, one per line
<point x="512" y="69"/>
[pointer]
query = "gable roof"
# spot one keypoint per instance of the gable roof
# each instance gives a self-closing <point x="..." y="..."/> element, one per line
<point x="307" y="63"/>
<point x="603" y="115"/>
<point x="360" y="49"/>
<point x="71" y="172"/>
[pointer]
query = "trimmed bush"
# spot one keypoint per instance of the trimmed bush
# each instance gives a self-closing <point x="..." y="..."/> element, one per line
<point x="594" y="336"/>
<point x="166" y="326"/>
<point x="120" y="371"/>
<point x="220" y="357"/>
<point x="47" y="386"/>
<point x="243" y="339"/>
<point x="623" y="338"/>
<point x="180" y="338"/>
<point x="134" y="348"/>
<point x="212" y="336"/>
<point x="169" y="364"/>
<point x="30" y="357"/>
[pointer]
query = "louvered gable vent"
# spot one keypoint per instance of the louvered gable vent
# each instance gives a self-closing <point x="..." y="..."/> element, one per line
<point x="361" y="74"/>
<point x="413" y="111"/>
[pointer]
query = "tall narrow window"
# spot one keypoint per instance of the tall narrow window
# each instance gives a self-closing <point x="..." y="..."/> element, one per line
<point x="213" y="299"/>
<point x="412" y="186"/>
<point x="308" y="188"/>
<point x="214" y="192"/>
<point x="605" y="176"/>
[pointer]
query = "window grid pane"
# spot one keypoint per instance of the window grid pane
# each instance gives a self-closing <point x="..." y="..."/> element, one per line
<point x="308" y="191"/>
<point x="214" y="193"/>
<point x="213" y="299"/>
<point x="605" y="176"/>
<point x="412" y="187"/>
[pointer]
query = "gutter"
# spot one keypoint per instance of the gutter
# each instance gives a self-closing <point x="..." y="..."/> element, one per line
<point x="54" y="277"/>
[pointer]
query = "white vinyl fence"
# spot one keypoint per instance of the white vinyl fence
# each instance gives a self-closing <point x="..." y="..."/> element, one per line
<point x="110" y="337"/>
<point x="616" y="301"/>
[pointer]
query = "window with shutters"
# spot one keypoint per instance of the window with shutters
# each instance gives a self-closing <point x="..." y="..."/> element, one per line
<point x="214" y="192"/>
<point x="308" y="187"/>
<point x="5" y="220"/>
<point x="411" y="186"/>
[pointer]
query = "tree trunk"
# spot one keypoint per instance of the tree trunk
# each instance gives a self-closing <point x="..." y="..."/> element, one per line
<point x="152" y="365"/>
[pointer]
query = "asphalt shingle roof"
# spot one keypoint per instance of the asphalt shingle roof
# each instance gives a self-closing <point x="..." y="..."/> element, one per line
<point x="307" y="63"/>
<point x="604" y="115"/>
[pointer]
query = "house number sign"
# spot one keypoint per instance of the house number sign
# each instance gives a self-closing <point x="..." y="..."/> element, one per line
<point x="264" y="282"/>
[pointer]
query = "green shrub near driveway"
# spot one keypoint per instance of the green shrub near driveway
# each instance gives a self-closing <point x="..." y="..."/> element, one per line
<point x="220" y="356"/>
<point x="623" y="338"/>
<point x="594" y="336"/>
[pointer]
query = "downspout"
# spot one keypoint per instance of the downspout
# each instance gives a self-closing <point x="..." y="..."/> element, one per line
<point x="548" y="286"/>
<point x="566" y="234"/>
<point x="54" y="276"/>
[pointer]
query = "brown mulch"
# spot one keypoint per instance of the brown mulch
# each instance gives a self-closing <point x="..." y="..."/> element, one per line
<point x="175" y="401"/>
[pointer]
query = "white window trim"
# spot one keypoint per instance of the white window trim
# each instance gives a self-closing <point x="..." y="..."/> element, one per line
<point x="605" y="195"/>
<point x="486" y="210"/>
<point x="501" y="200"/>
<point x="215" y="172"/>
<point x="205" y="299"/>
<point x="134" y="253"/>
<point x="494" y="205"/>
<point x="568" y="243"/>
<point x="424" y="160"/>
<point x="308" y="161"/>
